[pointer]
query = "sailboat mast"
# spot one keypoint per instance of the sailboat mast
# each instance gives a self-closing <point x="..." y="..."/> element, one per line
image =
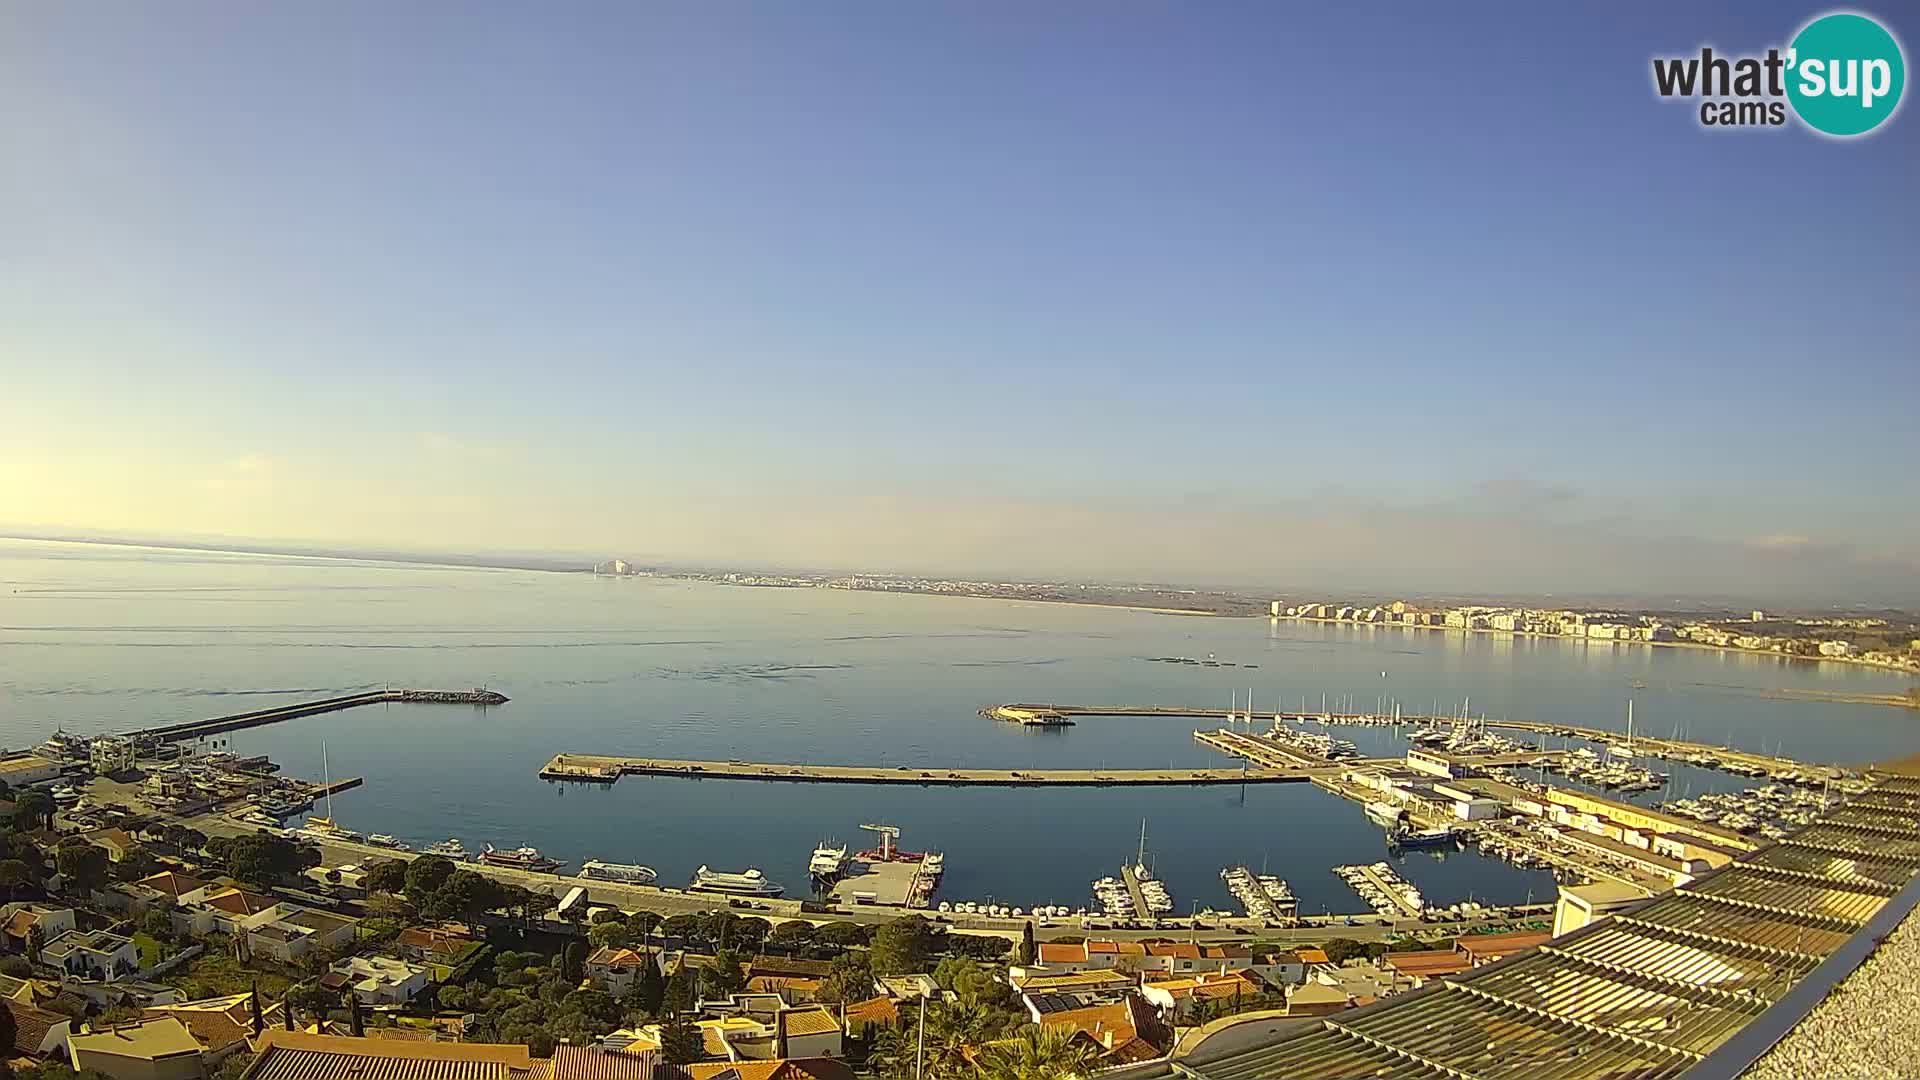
<point x="326" y="776"/>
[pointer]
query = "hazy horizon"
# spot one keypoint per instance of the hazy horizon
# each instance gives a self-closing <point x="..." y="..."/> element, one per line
<point x="1107" y="292"/>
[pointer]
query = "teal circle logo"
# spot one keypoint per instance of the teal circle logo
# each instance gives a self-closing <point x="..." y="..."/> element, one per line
<point x="1845" y="74"/>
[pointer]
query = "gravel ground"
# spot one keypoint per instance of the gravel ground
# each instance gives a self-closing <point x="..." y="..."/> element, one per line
<point x="1869" y="1026"/>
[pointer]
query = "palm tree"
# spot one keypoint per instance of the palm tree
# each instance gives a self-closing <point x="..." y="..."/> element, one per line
<point x="1050" y="1052"/>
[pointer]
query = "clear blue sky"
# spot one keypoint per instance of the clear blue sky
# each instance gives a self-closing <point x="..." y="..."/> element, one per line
<point x="1421" y="296"/>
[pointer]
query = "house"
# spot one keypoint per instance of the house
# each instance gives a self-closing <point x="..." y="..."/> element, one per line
<point x="1486" y="948"/>
<point x="787" y="1069"/>
<point x="1313" y="998"/>
<point x="18" y="922"/>
<point x="95" y="954"/>
<point x="1180" y="998"/>
<point x="161" y="1049"/>
<point x="168" y="888"/>
<point x="616" y="970"/>
<point x="37" y="1032"/>
<point x="377" y="980"/>
<point x="813" y="1031"/>
<point x="290" y="932"/>
<point x="1280" y="967"/>
<point x="908" y="987"/>
<point x="792" y="990"/>
<point x="297" y="1055"/>
<point x="1362" y="979"/>
<point x="637" y="1062"/>
<point x="1427" y="964"/>
<point x="873" y="1013"/>
<point x="448" y="943"/>
<point x="116" y="842"/>
<point x="17" y="989"/>
<point x="1128" y="1028"/>
<point x="221" y="1025"/>
<point x="220" y="911"/>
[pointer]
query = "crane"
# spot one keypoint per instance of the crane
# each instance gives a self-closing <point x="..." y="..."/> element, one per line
<point x="888" y="834"/>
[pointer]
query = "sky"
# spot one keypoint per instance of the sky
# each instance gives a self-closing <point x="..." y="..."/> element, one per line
<point x="1434" y="297"/>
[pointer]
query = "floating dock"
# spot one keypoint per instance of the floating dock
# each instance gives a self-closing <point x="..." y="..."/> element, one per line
<point x="600" y="769"/>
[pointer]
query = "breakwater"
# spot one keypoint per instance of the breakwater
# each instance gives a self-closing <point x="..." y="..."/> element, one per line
<point x="194" y="729"/>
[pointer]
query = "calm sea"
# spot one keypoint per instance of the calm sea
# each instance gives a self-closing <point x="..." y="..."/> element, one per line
<point x="96" y="638"/>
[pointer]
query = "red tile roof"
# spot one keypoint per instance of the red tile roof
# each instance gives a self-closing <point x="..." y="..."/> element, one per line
<point x="240" y="902"/>
<point x="172" y="883"/>
<point x="1482" y="948"/>
<point x="593" y="1063"/>
<point x="30" y="1025"/>
<point x="1428" y="963"/>
<point x="1060" y="953"/>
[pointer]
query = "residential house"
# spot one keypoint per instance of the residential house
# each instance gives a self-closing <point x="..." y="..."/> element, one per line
<point x="116" y="842"/>
<point x="1178" y="999"/>
<point x="296" y="1055"/>
<point x="18" y="989"/>
<point x="636" y="1062"/>
<point x="169" y="888"/>
<point x="616" y="970"/>
<point x="788" y="1069"/>
<point x="19" y="921"/>
<point x="1425" y="965"/>
<point x="37" y="1032"/>
<point x="1313" y="998"/>
<point x="160" y="1049"/>
<point x="1486" y="948"/>
<point x="220" y="911"/>
<point x="1127" y="1030"/>
<point x="448" y="943"/>
<point x="865" y="1018"/>
<point x="288" y="932"/>
<point x="221" y="1025"/>
<point x="907" y="987"/>
<point x="95" y="954"/>
<point x="377" y="980"/>
<point x="813" y="1031"/>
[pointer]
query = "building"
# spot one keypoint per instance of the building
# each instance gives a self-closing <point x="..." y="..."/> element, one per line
<point x="770" y="1033"/>
<point x="221" y="1025"/>
<point x="116" y="842"/>
<point x="863" y="1017"/>
<point x="22" y="769"/>
<point x="19" y="921"/>
<point x="790" y="1069"/>
<point x="448" y="943"/>
<point x="1134" y="956"/>
<point x="1486" y="948"/>
<point x="1427" y="964"/>
<point x="616" y="970"/>
<point x="377" y="980"/>
<point x="159" y="1049"/>
<point x="1179" y="999"/>
<point x="95" y="954"/>
<point x="37" y="1032"/>
<point x="296" y="1055"/>
<point x="1581" y="904"/>
<point x="221" y="911"/>
<point x="288" y="932"/>
<point x="1313" y="998"/>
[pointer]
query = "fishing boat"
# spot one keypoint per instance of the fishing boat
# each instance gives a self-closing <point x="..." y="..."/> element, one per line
<point x="748" y="882"/>
<point x="1385" y="814"/>
<point x="625" y="873"/>
<point x="520" y="858"/>
<point x="1417" y="838"/>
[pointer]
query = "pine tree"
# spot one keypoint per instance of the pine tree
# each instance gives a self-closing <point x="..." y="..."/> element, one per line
<point x="1027" y="948"/>
<point x="651" y="990"/>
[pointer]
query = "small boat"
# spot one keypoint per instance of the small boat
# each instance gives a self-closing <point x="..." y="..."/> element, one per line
<point x="748" y="882"/>
<point x="325" y="828"/>
<point x="1385" y="813"/>
<point x="934" y="864"/>
<point x="65" y="794"/>
<point x="448" y="849"/>
<point x="625" y="873"/>
<point x="521" y="858"/>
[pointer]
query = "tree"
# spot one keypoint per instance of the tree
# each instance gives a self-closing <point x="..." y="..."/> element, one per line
<point x="681" y="1042"/>
<point x="262" y="859"/>
<point x="1341" y="950"/>
<point x="722" y="976"/>
<point x="650" y="989"/>
<point x="1050" y="1052"/>
<point x="643" y="924"/>
<point x="452" y="998"/>
<point x="953" y="1035"/>
<point x="33" y="810"/>
<point x="389" y="877"/>
<point x="972" y="984"/>
<point x="1027" y="948"/>
<point x="573" y="961"/>
<point x="902" y="946"/>
<point x="845" y="935"/>
<point x="158" y="923"/>
<point x="135" y="863"/>
<point x="851" y="979"/>
<point x="794" y="935"/>
<point x="82" y="865"/>
<point x="680" y="990"/>
<point x="609" y="935"/>
<point x="313" y="998"/>
<point x="425" y="875"/>
<point x="15" y="874"/>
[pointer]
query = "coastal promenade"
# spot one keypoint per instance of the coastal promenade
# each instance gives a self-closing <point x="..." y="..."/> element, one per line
<point x="602" y="769"/>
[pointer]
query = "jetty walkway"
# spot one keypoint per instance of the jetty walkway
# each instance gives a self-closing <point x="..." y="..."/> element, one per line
<point x="601" y="769"/>
<point x="194" y="729"/>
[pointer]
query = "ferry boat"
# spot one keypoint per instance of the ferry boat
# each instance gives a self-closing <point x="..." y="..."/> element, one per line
<point x="625" y="873"/>
<point x="522" y="858"/>
<point x="448" y="849"/>
<point x="748" y="882"/>
<point x="828" y="861"/>
<point x="385" y="841"/>
<point x="1415" y="838"/>
<point x="1385" y="813"/>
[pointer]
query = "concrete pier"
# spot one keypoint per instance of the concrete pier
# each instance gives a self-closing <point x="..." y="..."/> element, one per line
<point x="601" y="769"/>
<point x="194" y="729"/>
